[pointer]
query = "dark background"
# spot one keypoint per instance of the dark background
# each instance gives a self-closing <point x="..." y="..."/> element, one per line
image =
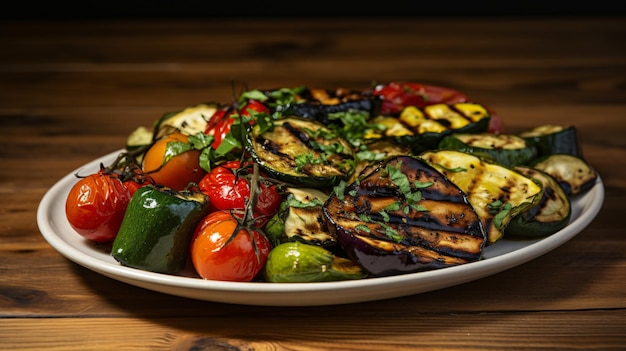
<point x="117" y="9"/>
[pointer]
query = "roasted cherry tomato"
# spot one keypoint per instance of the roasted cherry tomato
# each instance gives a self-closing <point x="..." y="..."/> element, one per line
<point x="96" y="204"/>
<point x="167" y="166"/>
<point x="229" y="190"/>
<point x="397" y="95"/>
<point x="221" y="249"/>
<point x="220" y="122"/>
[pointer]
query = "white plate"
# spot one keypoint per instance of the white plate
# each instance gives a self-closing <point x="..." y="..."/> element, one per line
<point x="500" y="256"/>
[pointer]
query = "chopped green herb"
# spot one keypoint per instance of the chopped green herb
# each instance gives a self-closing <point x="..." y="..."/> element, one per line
<point x="454" y="170"/>
<point x="385" y="215"/>
<point x="175" y="148"/>
<point x="339" y="190"/>
<point x="499" y="218"/>
<point x="393" y="206"/>
<point x="363" y="228"/>
<point x="391" y="233"/>
<point x="293" y="202"/>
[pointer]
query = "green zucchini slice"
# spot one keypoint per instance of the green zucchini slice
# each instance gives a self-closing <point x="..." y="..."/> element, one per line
<point x="372" y="153"/>
<point x="550" y="215"/>
<point x="574" y="174"/>
<point x="553" y="139"/>
<point x="300" y="218"/>
<point x="301" y="152"/>
<point x="189" y="121"/>
<point x="422" y="129"/>
<point x="138" y="142"/>
<point x="157" y="229"/>
<point x="506" y="149"/>
<point x="497" y="193"/>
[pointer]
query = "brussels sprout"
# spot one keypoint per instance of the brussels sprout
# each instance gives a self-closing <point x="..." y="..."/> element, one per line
<point x="295" y="262"/>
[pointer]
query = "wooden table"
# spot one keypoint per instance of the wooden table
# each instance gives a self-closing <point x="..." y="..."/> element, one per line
<point x="72" y="91"/>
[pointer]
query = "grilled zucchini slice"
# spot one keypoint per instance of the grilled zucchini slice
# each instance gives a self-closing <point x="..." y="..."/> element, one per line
<point x="189" y="121"/>
<point x="506" y="149"/>
<point x="422" y="129"/>
<point x="553" y="139"/>
<point x="301" y="152"/>
<point x="574" y="174"/>
<point x="402" y="217"/>
<point x="496" y="192"/>
<point x="138" y="141"/>
<point x="372" y="153"/>
<point x="300" y="218"/>
<point x="550" y="215"/>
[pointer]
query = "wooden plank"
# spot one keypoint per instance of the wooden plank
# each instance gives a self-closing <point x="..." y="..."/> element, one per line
<point x="317" y="331"/>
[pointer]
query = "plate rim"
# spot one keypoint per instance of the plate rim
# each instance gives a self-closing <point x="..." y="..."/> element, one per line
<point x="304" y="294"/>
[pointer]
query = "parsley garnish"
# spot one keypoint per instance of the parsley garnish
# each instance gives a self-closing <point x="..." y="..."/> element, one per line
<point x="500" y="211"/>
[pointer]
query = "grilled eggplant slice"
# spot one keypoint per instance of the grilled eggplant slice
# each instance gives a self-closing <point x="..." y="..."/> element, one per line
<point x="423" y="128"/>
<point x="300" y="218"/>
<point x="496" y="192"/>
<point x="506" y="149"/>
<point x="574" y="174"/>
<point x="550" y="215"/>
<point x="319" y="104"/>
<point x="403" y="217"/>
<point x="301" y="152"/>
<point x="554" y="139"/>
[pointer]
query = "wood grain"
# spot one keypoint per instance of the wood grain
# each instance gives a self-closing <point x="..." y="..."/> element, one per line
<point x="71" y="91"/>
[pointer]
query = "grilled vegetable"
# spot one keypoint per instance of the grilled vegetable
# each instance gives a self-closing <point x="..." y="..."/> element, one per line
<point x="296" y="262"/>
<point x="550" y="215"/>
<point x="157" y="228"/>
<point x="301" y="152"/>
<point x="496" y="192"/>
<point x="319" y="104"/>
<point x="575" y="175"/>
<point x="553" y="139"/>
<point x="402" y="217"/>
<point x="139" y="138"/>
<point x="506" y="149"/>
<point x="300" y="218"/>
<point x="189" y="121"/>
<point x="372" y="153"/>
<point x="400" y="94"/>
<point x="423" y="128"/>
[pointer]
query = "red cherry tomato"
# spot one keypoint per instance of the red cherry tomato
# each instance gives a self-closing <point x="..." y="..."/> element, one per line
<point x="173" y="170"/>
<point x="96" y="204"/>
<point x="221" y="121"/>
<point x="222" y="250"/>
<point x="397" y="95"/>
<point x="228" y="191"/>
